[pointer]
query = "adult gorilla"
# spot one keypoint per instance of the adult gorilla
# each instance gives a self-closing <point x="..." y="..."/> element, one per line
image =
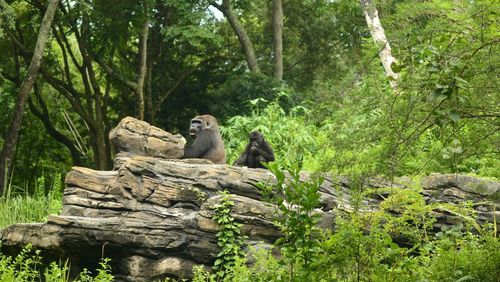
<point x="208" y="143"/>
<point x="257" y="152"/>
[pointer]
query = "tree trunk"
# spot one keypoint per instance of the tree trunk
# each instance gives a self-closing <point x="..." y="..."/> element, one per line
<point x="102" y="158"/>
<point x="378" y="34"/>
<point x="27" y="85"/>
<point x="149" y="114"/>
<point x="94" y="103"/>
<point x="238" y="28"/>
<point x="142" y="68"/>
<point x="278" y="39"/>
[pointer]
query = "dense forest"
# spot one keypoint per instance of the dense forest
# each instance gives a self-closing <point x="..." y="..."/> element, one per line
<point x="384" y="88"/>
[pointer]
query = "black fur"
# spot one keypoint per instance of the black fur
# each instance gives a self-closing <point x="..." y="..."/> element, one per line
<point x="257" y="152"/>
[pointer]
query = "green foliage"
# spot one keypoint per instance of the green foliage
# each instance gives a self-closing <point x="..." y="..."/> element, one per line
<point x="366" y="134"/>
<point x="103" y="273"/>
<point x="57" y="272"/>
<point x="229" y="237"/>
<point x="296" y="217"/>
<point x="15" y="208"/>
<point x="447" y="108"/>
<point x="6" y="16"/>
<point x="192" y="36"/>
<point x="464" y="257"/>
<point x="38" y="155"/>
<point x="233" y="96"/>
<point x="368" y="246"/>
<point x="352" y="254"/>
<point x="27" y="266"/>
<point x="22" y="267"/>
<point x="295" y="140"/>
<point x="414" y="220"/>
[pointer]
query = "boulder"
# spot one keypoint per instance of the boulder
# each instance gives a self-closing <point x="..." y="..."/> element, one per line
<point x="133" y="137"/>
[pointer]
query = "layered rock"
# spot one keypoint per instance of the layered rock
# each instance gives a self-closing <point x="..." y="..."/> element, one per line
<point x="153" y="217"/>
<point x="133" y="137"/>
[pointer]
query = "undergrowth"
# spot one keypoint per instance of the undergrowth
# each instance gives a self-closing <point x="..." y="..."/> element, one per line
<point x="396" y="243"/>
<point x="27" y="266"/>
<point x="21" y="206"/>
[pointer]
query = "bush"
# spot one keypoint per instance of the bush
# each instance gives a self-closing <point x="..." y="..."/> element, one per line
<point x="295" y="140"/>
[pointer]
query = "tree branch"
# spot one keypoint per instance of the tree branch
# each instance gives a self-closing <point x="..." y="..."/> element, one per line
<point x="44" y="117"/>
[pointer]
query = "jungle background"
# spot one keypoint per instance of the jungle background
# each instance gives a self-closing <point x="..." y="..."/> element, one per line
<point x="307" y="74"/>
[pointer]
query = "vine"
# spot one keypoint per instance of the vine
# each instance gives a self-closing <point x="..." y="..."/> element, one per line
<point x="229" y="237"/>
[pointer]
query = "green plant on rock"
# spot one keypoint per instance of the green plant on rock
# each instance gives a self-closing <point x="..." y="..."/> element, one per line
<point x="229" y="237"/>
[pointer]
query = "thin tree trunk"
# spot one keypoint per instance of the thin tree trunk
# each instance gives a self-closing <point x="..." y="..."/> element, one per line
<point x="142" y="69"/>
<point x="103" y="154"/>
<point x="278" y="39"/>
<point x="27" y="85"/>
<point x="150" y="114"/>
<point x="238" y="28"/>
<point x="378" y="35"/>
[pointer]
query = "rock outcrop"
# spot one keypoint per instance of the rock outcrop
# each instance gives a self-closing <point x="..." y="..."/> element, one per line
<point x="133" y="137"/>
<point x="152" y="216"/>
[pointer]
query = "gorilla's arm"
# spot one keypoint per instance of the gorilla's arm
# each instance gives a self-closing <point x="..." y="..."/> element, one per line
<point x="243" y="159"/>
<point x="266" y="151"/>
<point x="200" y="146"/>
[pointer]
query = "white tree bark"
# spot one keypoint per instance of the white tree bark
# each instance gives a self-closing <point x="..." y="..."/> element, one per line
<point x="378" y="35"/>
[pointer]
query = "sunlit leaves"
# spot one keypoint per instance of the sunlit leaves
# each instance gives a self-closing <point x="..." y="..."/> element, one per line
<point x="6" y="16"/>
<point x="192" y="35"/>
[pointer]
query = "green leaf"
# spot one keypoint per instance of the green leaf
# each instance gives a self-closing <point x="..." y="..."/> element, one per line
<point x="279" y="241"/>
<point x="432" y="69"/>
<point x="454" y="116"/>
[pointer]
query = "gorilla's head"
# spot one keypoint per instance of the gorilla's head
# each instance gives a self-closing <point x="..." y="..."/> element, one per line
<point x="195" y="127"/>
<point x="198" y="123"/>
<point x="255" y="138"/>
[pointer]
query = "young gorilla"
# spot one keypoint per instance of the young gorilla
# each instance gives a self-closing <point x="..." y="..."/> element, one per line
<point x="208" y="143"/>
<point x="257" y="152"/>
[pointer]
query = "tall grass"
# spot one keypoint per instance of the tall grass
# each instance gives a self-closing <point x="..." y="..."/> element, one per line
<point x="17" y="205"/>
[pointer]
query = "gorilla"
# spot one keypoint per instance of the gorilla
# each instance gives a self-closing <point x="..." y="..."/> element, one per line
<point x="257" y="152"/>
<point x="208" y="143"/>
